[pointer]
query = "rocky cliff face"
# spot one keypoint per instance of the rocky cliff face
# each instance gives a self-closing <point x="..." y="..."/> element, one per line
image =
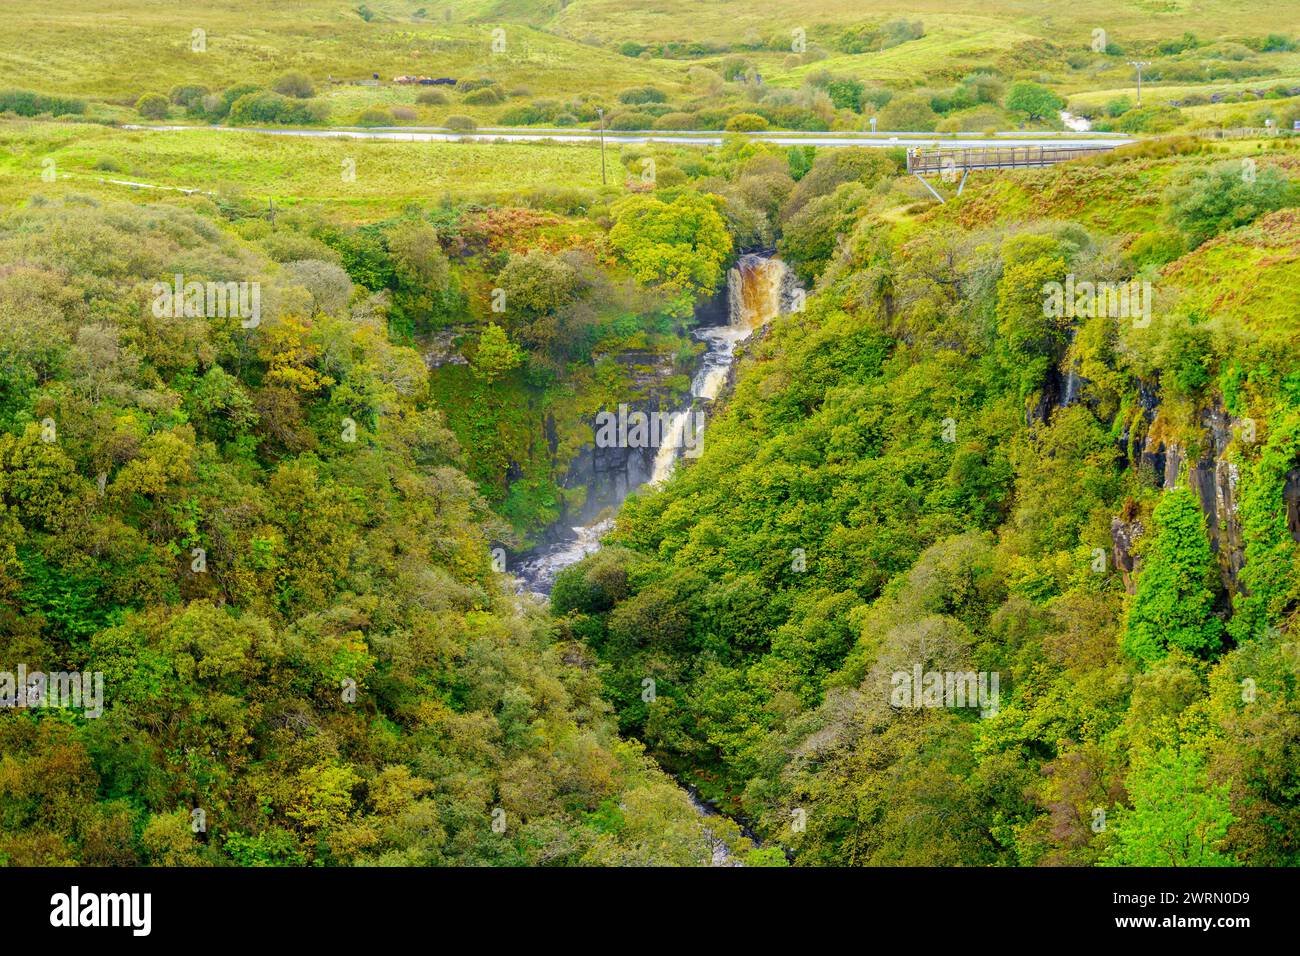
<point x="1211" y="476"/>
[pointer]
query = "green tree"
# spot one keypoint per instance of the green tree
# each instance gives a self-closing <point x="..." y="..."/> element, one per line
<point x="1033" y="100"/>
<point x="538" y="282"/>
<point x="496" y="355"/>
<point x="295" y="83"/>
<point x="680" y="246"/>
<point x="911" y="112"/>
<point x="1174" y="603"/>
<point x="1177" y="819"/>
<point x="152" y="106"/>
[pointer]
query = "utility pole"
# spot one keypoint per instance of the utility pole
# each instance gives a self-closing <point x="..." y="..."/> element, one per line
<point x="1139" y="64"/>
<point x="601" y="113"/>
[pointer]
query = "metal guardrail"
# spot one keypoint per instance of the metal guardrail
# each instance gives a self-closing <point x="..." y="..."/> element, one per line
<point x="1245" y="132"/>
<point x="921" y="160"/>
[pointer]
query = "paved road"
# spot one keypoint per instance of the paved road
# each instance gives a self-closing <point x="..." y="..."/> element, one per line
<point x="430" y="134"/>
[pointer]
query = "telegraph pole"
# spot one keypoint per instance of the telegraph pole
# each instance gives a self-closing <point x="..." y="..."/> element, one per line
<point x="1139" y="64"/>
<point x="601" y="113"/>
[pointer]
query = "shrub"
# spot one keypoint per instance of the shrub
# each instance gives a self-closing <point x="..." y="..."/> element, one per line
<point x="152" y="106"/>
<point x="565" y="119"/>
<point x="188" y="95"/>
<point x="218" y="107"/>
<point x="469" y="86"/>
<point x="1149" y="119"/>
<point x="520" y="116"/>
<point x="457" y="121"/>
<point x="845" y="93"/>
<point x="746" y="123"/>
<point x="1174" y="603"/>
<point x="1223" y="198"/>
<point x="404" y="114"/>
<point x="642" y="94"/>
<point x="27" y="103"/>
<point x="374" y="116"/>
<point x="265" y="106"/>
<point x="675" y="121"/>
<point x="908" y="112"/>
<point x="487" y="96"/>
<point x="431" y="98"/>
<point x="735" y="68"/>
<point x="630" y="121"/>
<point x="296" y="84"/>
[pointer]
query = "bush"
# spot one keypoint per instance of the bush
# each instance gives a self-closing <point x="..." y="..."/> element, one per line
<point x="1225" y="197"/>
<point x="630" y="121"/>
<point x="565" y="119"/>
<point x="265" y="106"/>
<point x="746" y="123"/>
<point x="520" y="116"/>
<point x="27" y="103"/>
<point x="1149" y="119"/>
<point x="537" y="282"/>
<point x="295" y="84"/>
<point x="676" y="121"/>
<point x="487" y="96"/>
<point x="188" y="95"/>
<point x="404" y="114"/>
<point x="431" y="98"/>
<point x="910" y="112"/>
<point x="218" y="107"/>
<point x="152" y="106"/>
<point x="642" y="94"/>
<point x="457" y="121"/>
<point x="735" y="68"/>
<point x="469" y="86"/>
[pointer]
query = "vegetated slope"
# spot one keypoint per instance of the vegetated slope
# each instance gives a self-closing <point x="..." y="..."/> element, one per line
<point x="260" y="534"/>
<point x="927" y="471"/>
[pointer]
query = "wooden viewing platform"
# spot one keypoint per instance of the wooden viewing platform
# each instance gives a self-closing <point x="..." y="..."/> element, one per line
<point x="921" y="159"/>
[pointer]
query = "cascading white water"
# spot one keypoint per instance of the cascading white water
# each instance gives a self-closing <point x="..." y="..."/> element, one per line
<point x="759" y="288"/>
<point x="670" y="444"/>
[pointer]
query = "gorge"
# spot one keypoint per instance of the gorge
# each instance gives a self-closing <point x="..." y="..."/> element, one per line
<point x="759" y="288"/>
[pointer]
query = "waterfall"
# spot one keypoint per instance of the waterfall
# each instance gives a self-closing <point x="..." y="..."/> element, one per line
<point x="669" y="444"/>
<point x="759" y="288"/>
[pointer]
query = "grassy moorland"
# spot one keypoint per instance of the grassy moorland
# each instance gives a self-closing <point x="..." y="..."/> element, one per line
<point x="550" y="63"/>
<point x="345" y="173"/>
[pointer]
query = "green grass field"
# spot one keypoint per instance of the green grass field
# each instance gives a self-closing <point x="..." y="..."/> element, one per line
<point x="388" y="175"/>
<point x="112" y="51"/>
